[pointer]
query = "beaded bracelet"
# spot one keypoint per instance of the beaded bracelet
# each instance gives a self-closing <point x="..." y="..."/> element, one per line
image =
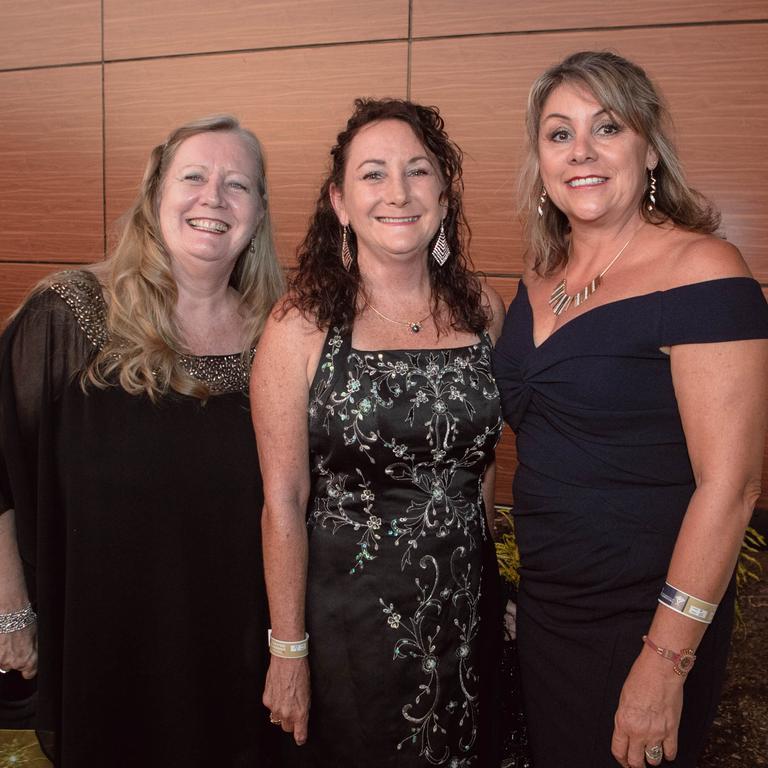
<point x="13" y="622"/>
<point x="686" y="604"/>
<point x="285" y="649"/>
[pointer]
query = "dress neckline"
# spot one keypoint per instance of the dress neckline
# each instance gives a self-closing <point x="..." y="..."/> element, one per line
<point x="638" y="297"/>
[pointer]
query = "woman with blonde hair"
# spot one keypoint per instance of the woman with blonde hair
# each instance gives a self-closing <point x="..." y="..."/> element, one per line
<point x="129" y="479"/>
<point x="632" y="367"/>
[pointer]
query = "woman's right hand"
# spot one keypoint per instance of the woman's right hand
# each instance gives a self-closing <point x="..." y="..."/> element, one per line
<point x="18" y="650"/>
<point x="287" y="694"/>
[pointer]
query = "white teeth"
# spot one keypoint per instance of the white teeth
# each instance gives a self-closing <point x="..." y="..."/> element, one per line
<point x="208" y="225"/>
<point x="394" y="220"/>
<point x="587" y="182"/>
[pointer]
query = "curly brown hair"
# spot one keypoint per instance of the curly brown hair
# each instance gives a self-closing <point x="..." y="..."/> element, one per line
<point x="321" y="289"/>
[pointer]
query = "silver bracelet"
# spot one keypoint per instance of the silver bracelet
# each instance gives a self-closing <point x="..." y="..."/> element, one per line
<point x="13" y="622"/>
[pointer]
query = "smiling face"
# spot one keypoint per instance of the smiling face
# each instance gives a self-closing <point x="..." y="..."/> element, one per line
<point x="210" y="205"/>
<point x="593" y="166"/>
<point x="392" y="192"/>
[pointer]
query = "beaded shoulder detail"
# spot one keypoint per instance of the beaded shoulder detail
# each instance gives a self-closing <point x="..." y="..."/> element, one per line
<point x="83" y="295"/>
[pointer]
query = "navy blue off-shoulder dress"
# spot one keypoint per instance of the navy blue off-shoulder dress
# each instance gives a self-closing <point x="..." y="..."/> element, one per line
<point x="603" y="483"/>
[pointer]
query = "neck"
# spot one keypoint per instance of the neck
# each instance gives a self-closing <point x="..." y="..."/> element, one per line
<point x="405" y="283"/>
<point x="201" y="291"/>
<point x="592" y="244"/>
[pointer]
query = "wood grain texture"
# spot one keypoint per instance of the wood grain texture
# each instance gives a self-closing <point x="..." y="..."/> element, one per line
<point x="296" y="101"/>
<point x="134" y="28"/>
<point x="51" y="197"/>
<point x="16" y="280"/>
<point x="717" y="102"/>
<point x="48" y="32"/>
<point x="458" y="17"/>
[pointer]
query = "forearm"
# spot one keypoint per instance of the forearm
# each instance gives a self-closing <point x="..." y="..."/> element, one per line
<point x="704" y="558"/>
<point x="13" y="588"/>
<point x="284" y="535"/>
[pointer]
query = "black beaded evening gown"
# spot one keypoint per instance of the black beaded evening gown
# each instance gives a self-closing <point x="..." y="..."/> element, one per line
<point x="139" y="526"/>
<point x="602" y="486"/>
<point x="400" y="562"/>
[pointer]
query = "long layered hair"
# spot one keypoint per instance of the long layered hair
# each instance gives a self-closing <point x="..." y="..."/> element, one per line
<point x="145" y="341"/>
<point x="623" y="89"/>
<point x="324" y="291"/>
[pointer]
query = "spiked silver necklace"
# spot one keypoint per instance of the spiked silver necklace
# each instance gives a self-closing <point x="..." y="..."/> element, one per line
<point x="560" y="299"/>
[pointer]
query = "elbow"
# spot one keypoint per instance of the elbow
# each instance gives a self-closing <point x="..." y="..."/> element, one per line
<point x="750" y="496"/>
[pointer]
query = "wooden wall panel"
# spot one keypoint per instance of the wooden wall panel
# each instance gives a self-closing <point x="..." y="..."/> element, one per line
<point x="294" y="100"/>
<point x="717" y="100"/>
<point x="15" y="282"/>
<point x="47" y="32"/>
<point x="51" y="165"/>
<point x="458" y="17"/>
<point x="134" y="28"/>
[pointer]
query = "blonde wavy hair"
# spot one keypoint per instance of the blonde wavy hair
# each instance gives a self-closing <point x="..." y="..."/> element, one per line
<point x="145" y="342"/>
<point x="623" y="89"/>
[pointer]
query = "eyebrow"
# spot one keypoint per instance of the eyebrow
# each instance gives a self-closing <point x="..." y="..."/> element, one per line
<point x="376" y="161"/>
<point x="207" y="169"/>
<point x="568" y="117"/>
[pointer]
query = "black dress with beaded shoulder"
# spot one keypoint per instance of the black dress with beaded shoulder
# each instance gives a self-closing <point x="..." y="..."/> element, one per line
<point x="603" y="482"/>
<point x="139" y="528"/>
<point x="399" y="555"/>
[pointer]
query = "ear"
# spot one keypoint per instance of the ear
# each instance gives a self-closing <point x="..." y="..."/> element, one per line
<point x="651" y="158"/>
<point x="337" y="201"/>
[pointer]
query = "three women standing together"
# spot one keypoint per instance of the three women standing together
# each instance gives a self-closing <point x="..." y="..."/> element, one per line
<point x="632" y="366"/>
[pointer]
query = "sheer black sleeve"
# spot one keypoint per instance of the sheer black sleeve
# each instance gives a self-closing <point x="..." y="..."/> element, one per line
<point x="41" y="351"/>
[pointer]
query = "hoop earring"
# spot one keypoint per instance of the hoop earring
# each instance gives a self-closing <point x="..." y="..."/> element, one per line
<point x="652" y="192"/>
<point x="346" y="254"/>
<point x="441" y="251"/>
<point x="542" y="201"/>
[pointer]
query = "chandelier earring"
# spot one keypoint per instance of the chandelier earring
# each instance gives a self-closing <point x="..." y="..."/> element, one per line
<point x="441" y="251"/>
<point x="651" y="192"/>
<point x="542" y="201"/>
<point x="346" y="253"/>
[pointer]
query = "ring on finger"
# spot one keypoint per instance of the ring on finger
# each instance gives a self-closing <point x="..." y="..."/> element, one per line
<point x="3" y="671"/>
<point x="656" y="752"/>
<point x="274" y="720"/>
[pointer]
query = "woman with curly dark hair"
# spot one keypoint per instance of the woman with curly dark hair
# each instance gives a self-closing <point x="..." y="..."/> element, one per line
<point x="374" y="524"/>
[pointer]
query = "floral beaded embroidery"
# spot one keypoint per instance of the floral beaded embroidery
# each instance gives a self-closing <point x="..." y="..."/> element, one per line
<point x="399" y="484"/>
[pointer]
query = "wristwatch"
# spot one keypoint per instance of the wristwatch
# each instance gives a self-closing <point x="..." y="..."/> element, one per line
<point x="682" y="663"/>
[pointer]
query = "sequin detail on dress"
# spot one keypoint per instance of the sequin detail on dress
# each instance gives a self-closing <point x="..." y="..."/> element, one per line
<point x="83" y="295"/>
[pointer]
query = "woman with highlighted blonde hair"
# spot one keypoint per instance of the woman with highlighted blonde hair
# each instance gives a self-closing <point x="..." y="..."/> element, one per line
<point x="129" y="484"/>
<point x="632" y="367"/>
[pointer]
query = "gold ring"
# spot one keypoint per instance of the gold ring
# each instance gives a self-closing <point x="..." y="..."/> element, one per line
<point x="273" y="721"/>
<point x="656" y="752"/>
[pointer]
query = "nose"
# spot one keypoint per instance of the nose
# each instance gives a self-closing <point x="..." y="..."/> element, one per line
<point x="213" y="193"/>
<point x="398" y="190"/>
<point x="582" y="149"/>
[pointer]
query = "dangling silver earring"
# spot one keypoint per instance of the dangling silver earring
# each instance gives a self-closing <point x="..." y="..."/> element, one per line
<point x="346" y="254"/>
<point x="652" y="191"/>
<point x="252" y="246"/>
<point x="441" y="251"/>
<point x="542" y="201"/>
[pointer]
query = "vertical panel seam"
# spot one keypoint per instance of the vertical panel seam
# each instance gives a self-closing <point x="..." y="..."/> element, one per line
<point x="410" y="50"/>
<point x="103" y="141"/>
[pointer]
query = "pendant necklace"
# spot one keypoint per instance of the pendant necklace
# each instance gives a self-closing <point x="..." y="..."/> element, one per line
<point x="560" y="300"/>
<point x="415" y="326"/>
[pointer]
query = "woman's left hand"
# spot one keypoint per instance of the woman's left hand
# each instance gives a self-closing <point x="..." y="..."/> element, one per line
<point x="649" y="712"/>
